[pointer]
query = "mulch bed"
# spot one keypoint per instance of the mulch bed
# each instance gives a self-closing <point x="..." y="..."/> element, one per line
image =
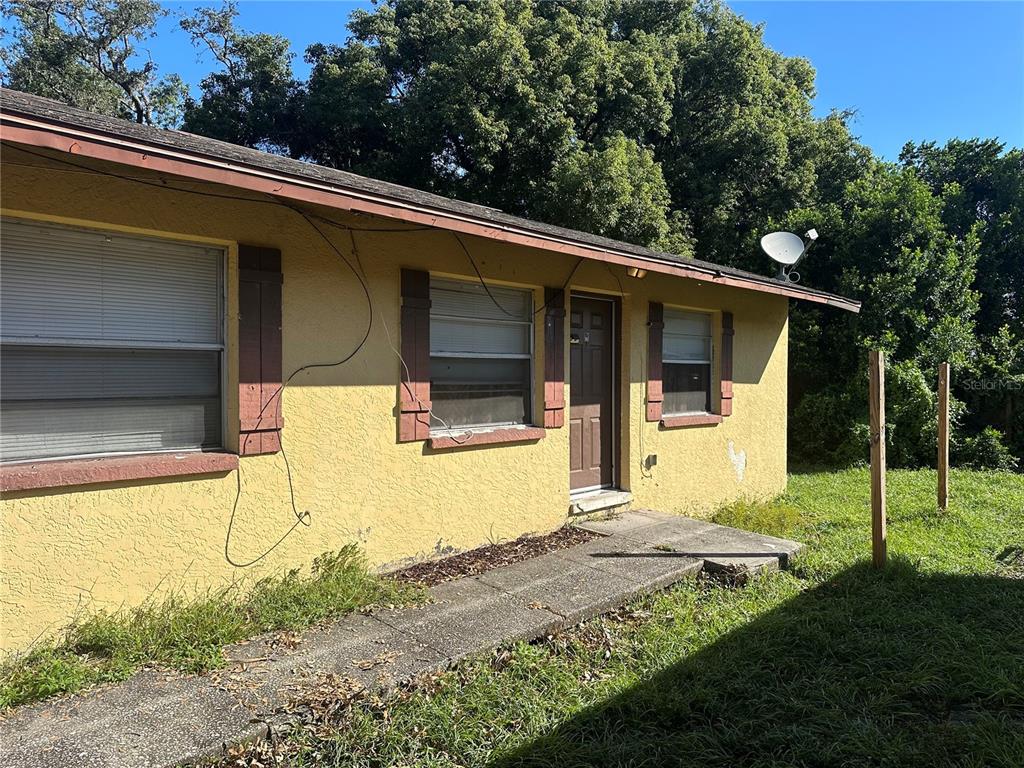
<point x="491" y="556"/>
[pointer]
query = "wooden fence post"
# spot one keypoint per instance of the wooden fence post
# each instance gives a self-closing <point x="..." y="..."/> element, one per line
<point x="943" y="432"/>
<point x="876" y="408"/>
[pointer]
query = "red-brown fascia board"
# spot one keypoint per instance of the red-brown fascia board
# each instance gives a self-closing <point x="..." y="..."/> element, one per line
<point x="73" y="140"/>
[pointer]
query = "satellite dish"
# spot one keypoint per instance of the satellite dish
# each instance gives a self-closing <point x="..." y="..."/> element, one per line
<point x="785" y="247"/>
<point x="788" y="250"/>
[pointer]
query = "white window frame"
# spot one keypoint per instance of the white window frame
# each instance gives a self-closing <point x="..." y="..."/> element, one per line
<point x="531" y="334"/>
<point x="220" y="348"/>
<point x="709" y="361"/>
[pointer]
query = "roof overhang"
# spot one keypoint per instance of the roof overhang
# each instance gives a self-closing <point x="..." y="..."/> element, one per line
<point x="98" y="145"/>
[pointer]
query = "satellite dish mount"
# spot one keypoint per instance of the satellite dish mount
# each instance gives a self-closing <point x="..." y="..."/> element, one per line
<point x="788" y="250"/>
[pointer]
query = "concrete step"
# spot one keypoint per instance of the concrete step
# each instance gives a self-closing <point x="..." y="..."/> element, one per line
<point x="720" y="548"/>
<point x="607" y="501"/>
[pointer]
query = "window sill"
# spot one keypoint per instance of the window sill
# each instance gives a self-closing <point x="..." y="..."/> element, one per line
<point x="472" y="438"/>
<point x="109" y="469"/>
<point x="692" y="420"/>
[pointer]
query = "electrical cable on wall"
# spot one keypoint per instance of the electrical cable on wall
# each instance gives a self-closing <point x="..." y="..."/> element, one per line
<point x="561" y="291"/>
<point x="163" y="185"/>
<point x="644" y="471"/>
<point x="304" y="517"/>
<point x="487" y="288"/>
<point x="480" y="277"/>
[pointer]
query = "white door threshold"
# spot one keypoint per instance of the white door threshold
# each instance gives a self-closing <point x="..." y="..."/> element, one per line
<point x="599" y="501"/>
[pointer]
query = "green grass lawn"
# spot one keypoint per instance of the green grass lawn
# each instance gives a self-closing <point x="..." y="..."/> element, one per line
<point x="830" y="664"/>
<point x="189" y="633"/>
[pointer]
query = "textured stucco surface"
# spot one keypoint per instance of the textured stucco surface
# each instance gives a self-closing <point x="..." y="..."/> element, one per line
<point x="106" y="546"/>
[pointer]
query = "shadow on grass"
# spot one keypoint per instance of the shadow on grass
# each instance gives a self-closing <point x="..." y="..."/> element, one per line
<point x="895" y="668"/>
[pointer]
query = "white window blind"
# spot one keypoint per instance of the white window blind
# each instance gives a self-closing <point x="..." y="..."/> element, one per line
<point x="686" y="362"/>
<point x="481" y="354"/>
<point x="110" y="343"/>
<point x="686" y="338"/>
<point x="465" y="321"/>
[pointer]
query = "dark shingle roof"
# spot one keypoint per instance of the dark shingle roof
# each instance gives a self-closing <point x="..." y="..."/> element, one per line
<point x="18" y="103"/>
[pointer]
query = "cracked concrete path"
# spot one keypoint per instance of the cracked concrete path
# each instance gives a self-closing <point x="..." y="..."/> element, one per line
<point x="159" y="719"/>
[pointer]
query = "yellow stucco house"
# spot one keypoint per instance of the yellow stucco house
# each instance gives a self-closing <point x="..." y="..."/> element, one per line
<point x="220" y="362"/>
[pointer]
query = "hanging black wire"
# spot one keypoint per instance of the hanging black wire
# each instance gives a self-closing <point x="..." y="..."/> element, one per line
<point x="162" y="184"/>
<point x="304" y="517"/>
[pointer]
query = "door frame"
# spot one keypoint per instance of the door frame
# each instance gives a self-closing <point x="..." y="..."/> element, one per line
<point x="616" y="378"/>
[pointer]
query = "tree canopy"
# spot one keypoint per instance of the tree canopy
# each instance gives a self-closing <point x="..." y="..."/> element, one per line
<point x="668" y="124"/>
<point x="88" y="53"/>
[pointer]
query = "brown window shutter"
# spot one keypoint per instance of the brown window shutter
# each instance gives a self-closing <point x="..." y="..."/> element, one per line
<point x="655" y="327"/>
<point x="414" y="395"/>
<point x="554" y="357"/>
<point x="259" y="350"/>
<point x="727" y="334"/>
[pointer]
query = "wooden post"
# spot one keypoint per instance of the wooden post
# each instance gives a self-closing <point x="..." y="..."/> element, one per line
<point x="943" y="464"/>
<point x="876" y="408"/>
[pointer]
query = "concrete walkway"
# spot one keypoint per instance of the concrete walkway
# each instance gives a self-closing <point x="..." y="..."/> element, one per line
<point x="162" y="719"/>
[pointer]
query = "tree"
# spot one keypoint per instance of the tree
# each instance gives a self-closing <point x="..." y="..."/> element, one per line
<point x="915" y="279"/>
<point x="252" y="99"/>
<point x="982" y="185"/>
<point x="984" y="188"/>
<point x="87" y="53"/>
<point x="503" y="103"/>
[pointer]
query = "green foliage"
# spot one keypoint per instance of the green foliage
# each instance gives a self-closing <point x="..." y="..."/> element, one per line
<point x="250" y="100"/>
<point x="89" y="53"/>
<point x="546" y="110"/>
<point x="982" y="188"/>
<point x="668" y="124"/>
<point x="830" y="663"/>
<point x="777" y="519"/>
<point x="916" y="279"/>
<point x="829" y="428"/>
<point x="189" y="633"/>
<point x="986" y="450"/>
<point x="616" y="190"/>
<point x="910" y="416"/>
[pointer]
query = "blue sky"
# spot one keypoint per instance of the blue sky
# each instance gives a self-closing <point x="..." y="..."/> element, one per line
<point x="912" y="70"/>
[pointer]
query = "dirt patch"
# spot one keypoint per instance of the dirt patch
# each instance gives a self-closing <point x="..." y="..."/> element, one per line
<point x="492" y="556"/>
<point x="1011" y="562"/>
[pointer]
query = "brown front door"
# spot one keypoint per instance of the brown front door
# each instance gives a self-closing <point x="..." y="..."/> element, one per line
<point x="591" y="427"/>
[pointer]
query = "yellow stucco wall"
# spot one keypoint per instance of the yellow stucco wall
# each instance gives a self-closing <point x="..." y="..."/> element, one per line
<point x="105" y="546"/>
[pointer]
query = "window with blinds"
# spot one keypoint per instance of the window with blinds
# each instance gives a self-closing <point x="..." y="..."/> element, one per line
<point x="109" y="343"/>
<point x="481" y="354"/>
<point x="686" y="362"/>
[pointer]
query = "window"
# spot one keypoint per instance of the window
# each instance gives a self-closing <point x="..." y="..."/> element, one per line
<point x="686" y="362"/>
<point x="480" y="356"/>
<point x="109" y="343"/>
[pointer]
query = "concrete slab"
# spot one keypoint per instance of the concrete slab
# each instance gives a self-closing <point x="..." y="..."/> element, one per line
<point x="150" y="720"/>
<point x="618" y="525"/>
<point x="637" y="561"/>
<point x="736" y="566"/>
<point x="665" y="532"/>
<point x="361" y="649"/>
<point x="720" y="547"/>
<point x="574" y="591"/>
<point x="472" y="617"/>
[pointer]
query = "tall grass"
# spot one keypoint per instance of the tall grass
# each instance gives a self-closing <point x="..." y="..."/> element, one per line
<point x="188" y="633"/>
